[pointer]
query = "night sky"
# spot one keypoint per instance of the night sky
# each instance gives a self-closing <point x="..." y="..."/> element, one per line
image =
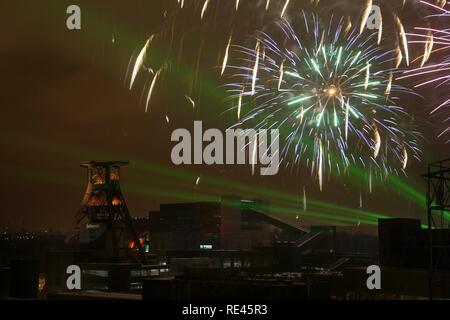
<point x="65" y="99"/>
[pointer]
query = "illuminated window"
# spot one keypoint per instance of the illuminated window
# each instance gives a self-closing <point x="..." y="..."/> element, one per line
<point x="98" y="273"/>
<point x="42" y="281"/>
<point x="114" y="174"/>
<point x="116" y="201"/>
<point x="97" y="176"/>
<point x="132" y="245"/>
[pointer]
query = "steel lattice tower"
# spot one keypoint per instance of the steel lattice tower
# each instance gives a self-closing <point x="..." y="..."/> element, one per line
<point x="438" y="207"/>
<point x="104" y="205"/>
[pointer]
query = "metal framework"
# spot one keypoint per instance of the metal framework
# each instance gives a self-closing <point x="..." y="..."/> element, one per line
<point x="104" y="205"/>
<point x="438" y="207"/>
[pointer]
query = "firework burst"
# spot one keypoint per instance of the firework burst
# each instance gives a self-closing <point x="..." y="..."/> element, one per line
<point x="197" y="34"/>
<point x="435" y="74"/>
<point x="330" y="91"/>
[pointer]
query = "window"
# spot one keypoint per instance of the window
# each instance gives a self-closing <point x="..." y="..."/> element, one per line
<point x="97" y="176"/>
<point x="114" y="174"/>
<point x="116" y="201"/>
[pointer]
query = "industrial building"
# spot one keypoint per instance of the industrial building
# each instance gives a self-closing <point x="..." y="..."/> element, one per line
<point x="230" y="224"/>
<point x="231" y="249"/>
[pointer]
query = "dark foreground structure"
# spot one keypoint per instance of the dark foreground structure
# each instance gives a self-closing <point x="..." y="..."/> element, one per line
<point x="316" y="266"/>
<point x="233" y="249"/>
